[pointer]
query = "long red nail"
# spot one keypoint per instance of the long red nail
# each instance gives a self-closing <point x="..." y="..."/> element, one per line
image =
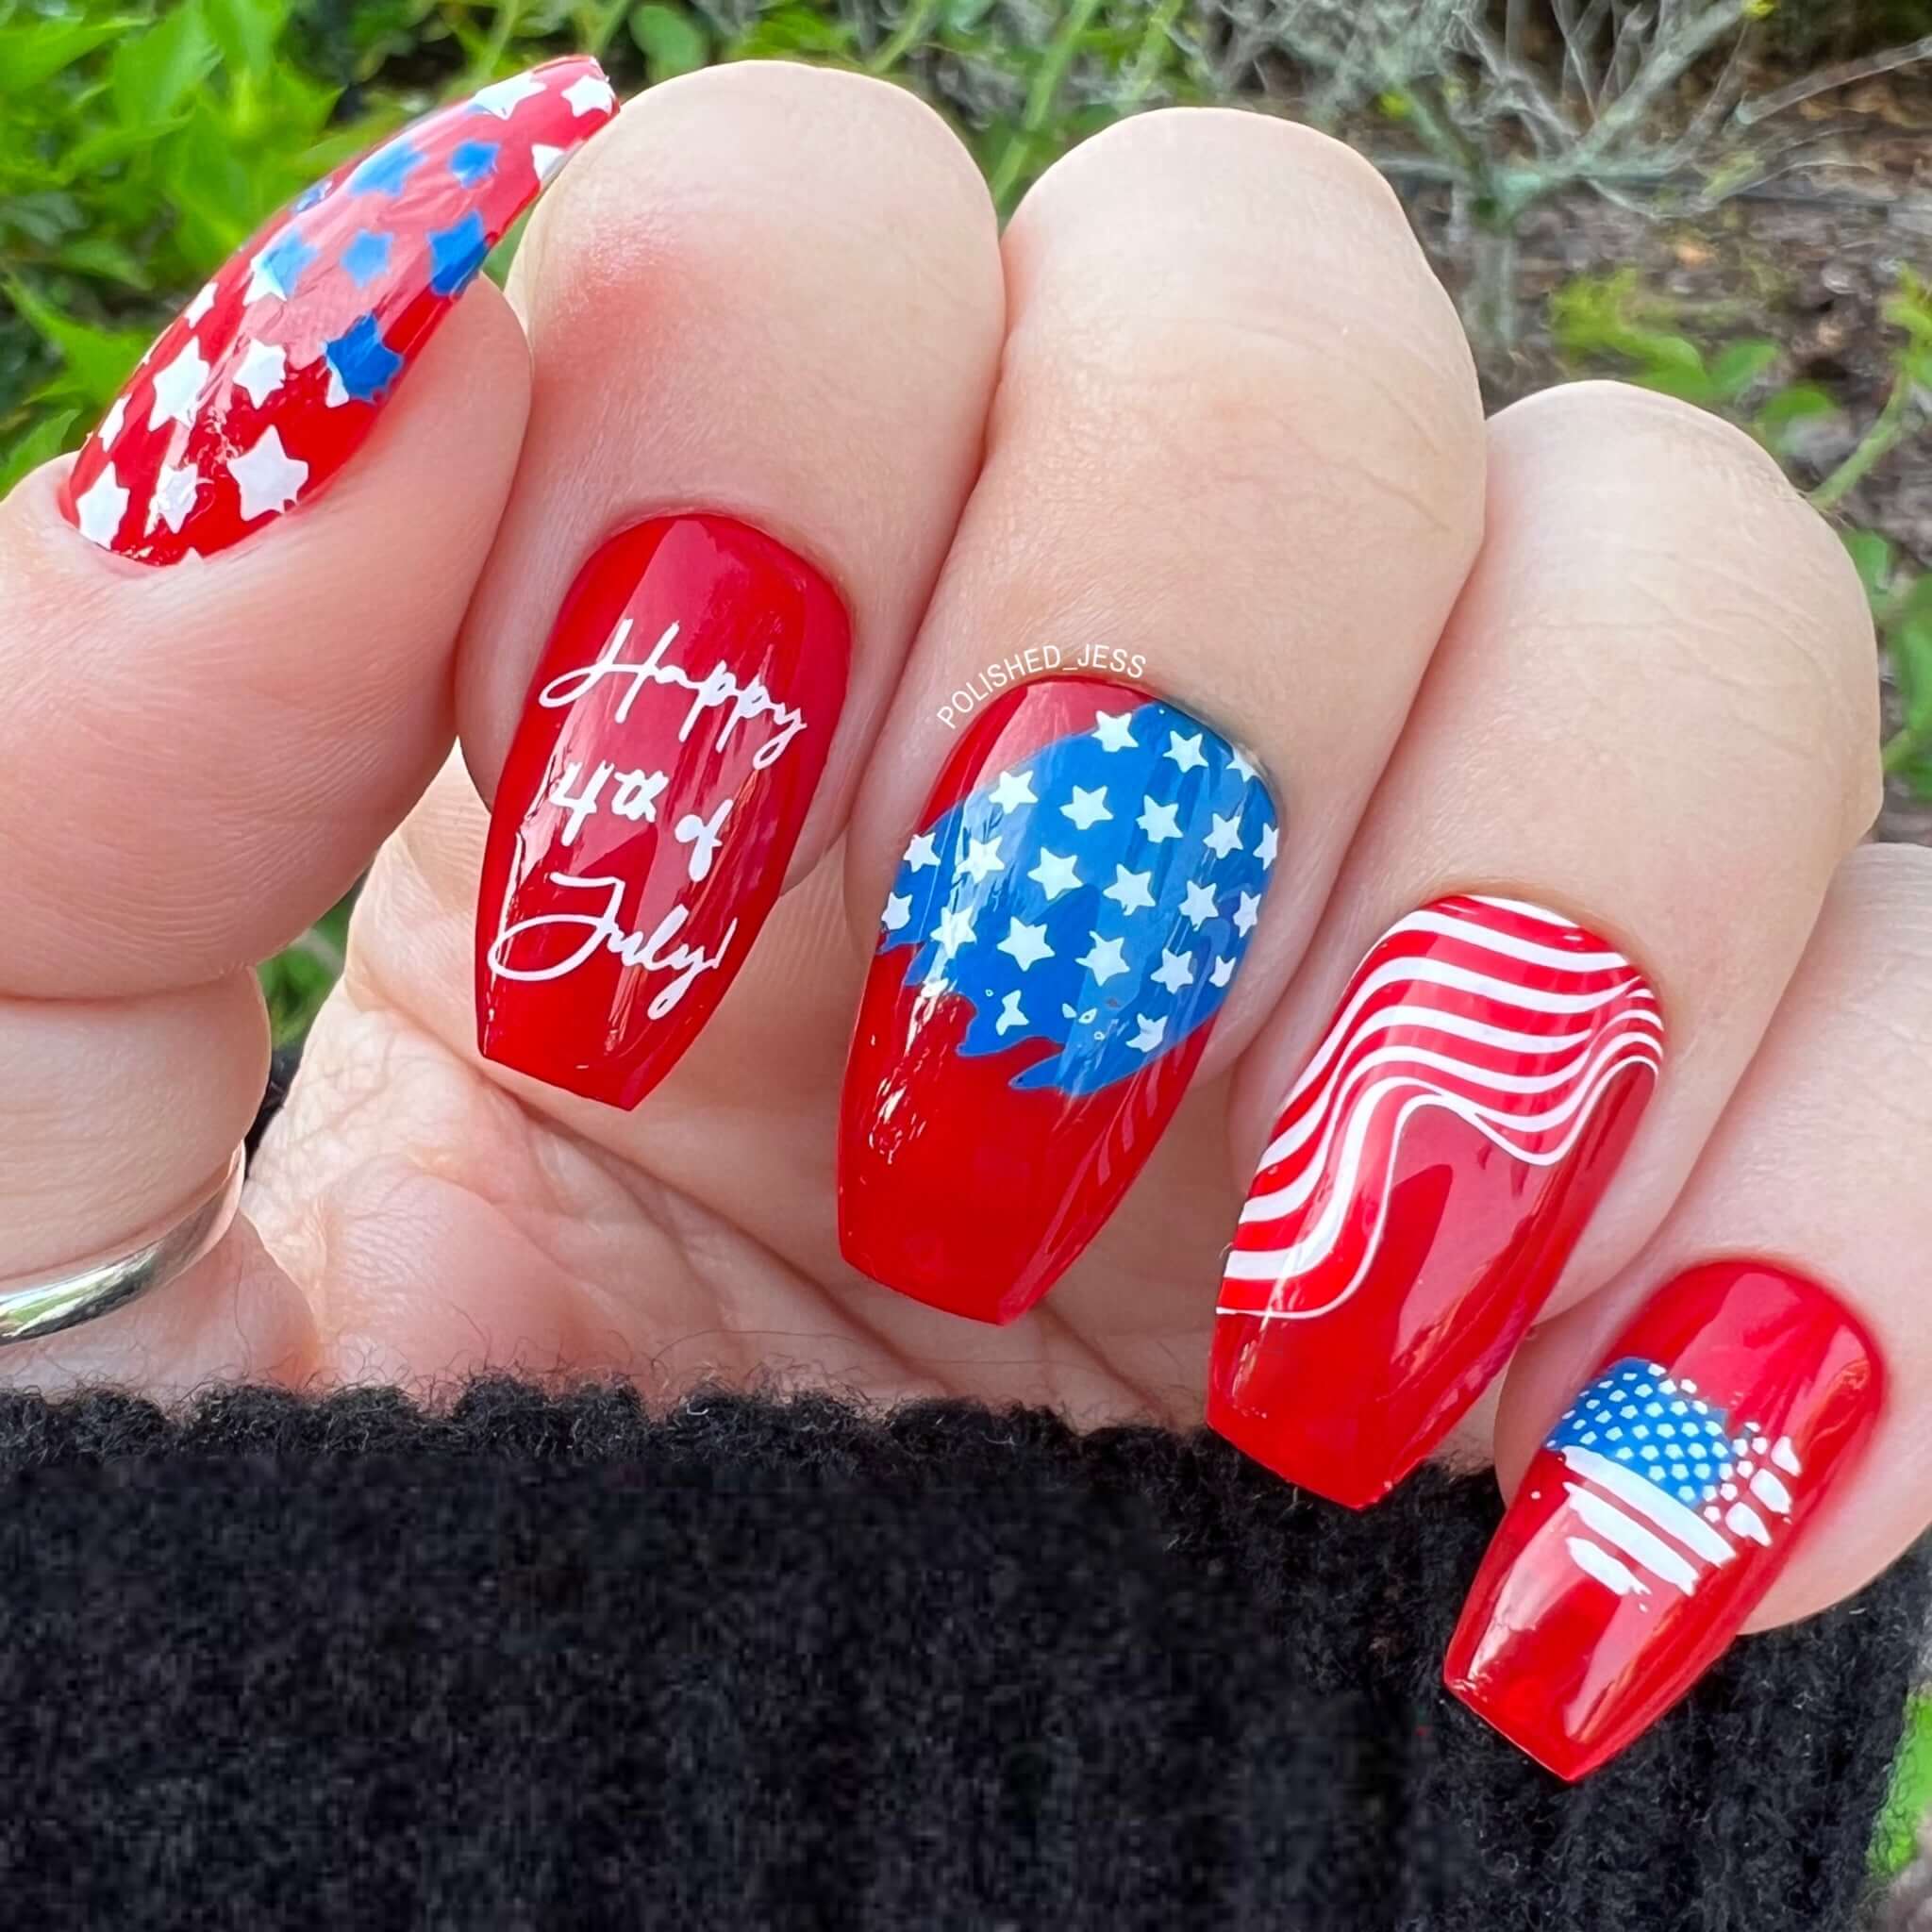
<point x="1056" y="947"/>
<point x="673" y="739"/>
<point x="1427" y="1179"/>
<point x="1665" y="1501"/>
<point x="268" y="381"/>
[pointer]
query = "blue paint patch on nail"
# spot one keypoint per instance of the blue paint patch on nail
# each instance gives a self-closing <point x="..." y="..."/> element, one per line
<point x="309" y="197"/>
<point x="1097" y="896"/>
<point x="473" y="160"/>
<point x="386" y="170"/>
<point x="367" y="257"/>
<point x="279" y="266"/>
<point x="457" y="254"/>
<point x="364" y="365"/>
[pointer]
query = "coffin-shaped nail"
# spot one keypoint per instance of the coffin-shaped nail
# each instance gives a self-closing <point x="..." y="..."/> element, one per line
<point x="1665" y="1500"/>
<point x="668" y="752"/>
<point x="267" y="383"/>
<point x="1062" y="930"/>
<point x="1426" y="1178"/>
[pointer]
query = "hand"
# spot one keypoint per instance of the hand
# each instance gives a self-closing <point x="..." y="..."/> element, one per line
<point x="1203" y="425"/>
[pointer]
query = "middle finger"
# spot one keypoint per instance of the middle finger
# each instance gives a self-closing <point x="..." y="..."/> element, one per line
<point x="1233" y="482"/>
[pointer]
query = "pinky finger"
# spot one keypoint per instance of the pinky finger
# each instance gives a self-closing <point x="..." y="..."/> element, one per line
<point x="1724" y="1437"/>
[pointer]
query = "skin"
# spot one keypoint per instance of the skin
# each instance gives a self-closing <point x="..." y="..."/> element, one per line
<point x="1595" y="653"/>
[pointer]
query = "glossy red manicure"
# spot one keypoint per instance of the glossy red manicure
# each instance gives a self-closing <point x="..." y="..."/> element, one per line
<point x="668" y="750"/>
<point x="1665" y="1501"/>
<point x="1427" y="1179"/>
<point x="1062" y="931"/>
<point x="268" y="381"/>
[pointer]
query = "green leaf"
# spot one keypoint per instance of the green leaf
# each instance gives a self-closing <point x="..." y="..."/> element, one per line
<point x="246" y="31"/>
<point x="154" y="72"/>
<point x="1734" y="369"/>
<point x="669" y="40"/>
<point x="1912" y="1791"/>
<point x="1786" y="407"/>
<point x="98" y="359"/>
<point x="105" y="257"/>
<point x="47" y="438"/>
<point x="35" y="51"/>
<point x="1873" y="557"/>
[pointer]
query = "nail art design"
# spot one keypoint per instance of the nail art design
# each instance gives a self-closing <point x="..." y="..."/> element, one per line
<point x="672" y="740"/>
<point x="1427" y="1179"/>
<point x="268" y="381"/>
<point x="1061" y="936"/>
<point x="1659" y="1510"/>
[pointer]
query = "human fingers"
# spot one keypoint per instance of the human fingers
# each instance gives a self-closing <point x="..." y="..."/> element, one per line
<point x="1232" y="485"/>
<point x="201" y="757"/>
<point x="1642" y="747"/>
<point x="1725" y="1436"/>
<point x="791" y="278"/>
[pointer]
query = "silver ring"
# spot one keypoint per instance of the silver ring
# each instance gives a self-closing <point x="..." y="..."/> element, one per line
<point x="32" y="1309"/>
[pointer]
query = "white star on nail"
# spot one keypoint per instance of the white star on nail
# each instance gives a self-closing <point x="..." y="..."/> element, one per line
<point x="1089" y="807"/>
<point x="920" y="854"/>
<point x="898" y="910"/>
<point x="1238" y="763"/>
<point x="593" y="94"/>
<point x="100" y="507"/>
<point x="982" y="856"/>
<point x="1026" y="943"/>
<point x="111" y="421"/>
<point x="954" y="928"/>
<point x="178" y="388"/>
<point x="1185" y="752"/>
<point x="261" y="370"/>
<point x="1111" y="730"/>
<point x="1266" y="845"/>
<point x="544" y="159"/>
<point x="1176" y="970"/>
<point x="1197" y="904"/>
<point x="1015" y="787"/>
<point x="1150" y="1034"/>
<point x="268" y="477"/>
<point x="1221" y="972"/>
<point x="1158" y="821"/>
<point x="1054" y="874"/>
<point x="1103" y="959"/>
<point x="1246" y="913"/>
<point x="1010" y="1014"/>
<point x="1129" y="889"/>
<point x="503" y="97"/>
<point x="174" y="496"/>
<point x="1225" y="837"/>
<point x="201" y="305"/>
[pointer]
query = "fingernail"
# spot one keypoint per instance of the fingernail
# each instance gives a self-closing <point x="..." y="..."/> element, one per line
<point x="1424" y="1183"/>
<point x="1058" y="943"/>
<point x="1661" y="1506"/>
<point x="667" y="755"/>
<point x="268" y="381"/>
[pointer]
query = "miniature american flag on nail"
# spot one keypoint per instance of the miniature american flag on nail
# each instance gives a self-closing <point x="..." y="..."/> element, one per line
<point x="1666" y="1486"/>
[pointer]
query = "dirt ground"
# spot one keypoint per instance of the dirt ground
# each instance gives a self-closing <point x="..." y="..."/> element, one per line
<point x="1807" y="260"/>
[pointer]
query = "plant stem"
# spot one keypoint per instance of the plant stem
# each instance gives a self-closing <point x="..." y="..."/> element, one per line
<point x="905" y="37"/>
<point x="1039" y="100"/>
<point x="1152" y="45"/>
<point x="1888" y="429"/>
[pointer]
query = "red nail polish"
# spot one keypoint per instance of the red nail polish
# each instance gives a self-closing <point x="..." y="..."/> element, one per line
<point x="672" y="741"/>
<point x="1664" y="1502"/>
<point x="1426" y="1181"/>
<point x="268" y="381"/>
<point x="1056" y="946"/>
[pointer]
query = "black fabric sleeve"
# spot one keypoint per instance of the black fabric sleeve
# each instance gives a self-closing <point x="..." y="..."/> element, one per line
<point x="542" y="1661"/>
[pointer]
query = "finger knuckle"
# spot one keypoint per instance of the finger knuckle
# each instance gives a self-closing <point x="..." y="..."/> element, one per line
<point x="1744" y="590"/>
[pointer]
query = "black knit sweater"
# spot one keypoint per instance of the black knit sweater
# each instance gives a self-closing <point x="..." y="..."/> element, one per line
<point x="541" y="1662"/>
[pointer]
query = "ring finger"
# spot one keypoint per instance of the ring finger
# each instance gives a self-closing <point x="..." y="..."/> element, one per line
<point x="1643" y="746"/>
